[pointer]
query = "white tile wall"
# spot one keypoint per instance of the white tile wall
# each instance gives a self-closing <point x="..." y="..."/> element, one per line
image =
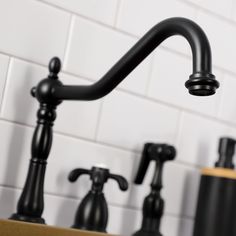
<point x="223" y="8"/>
<point x="4" y="63"/>
<point x="168" y="85"/>
<point x="201" y="136"/>
<point x="103" y="10"/>
<point x="151" y="105"/>
<point x="137" y="17"/>
<point x="227" y="110"/>
<point x="89" y="42"/>
<point x="135" y="121"/>
<point x="222" y="36"/>
<point x="32" y="30"/>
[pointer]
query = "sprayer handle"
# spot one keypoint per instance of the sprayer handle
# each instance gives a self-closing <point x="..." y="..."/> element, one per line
<point x="159" y="153"/>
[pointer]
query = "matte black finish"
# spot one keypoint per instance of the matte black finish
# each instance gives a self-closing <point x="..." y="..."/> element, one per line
<point x="200" y="83"/>
<point x="50" y="92"/>
<point x="153" y="205"/>
<point x="226" y="153"/>
<point x="216" y="209"/>
<point x="31" y="203"/>
<point x="92" y="213"/>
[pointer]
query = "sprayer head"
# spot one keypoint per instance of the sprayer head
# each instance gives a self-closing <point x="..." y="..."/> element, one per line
<point x="202" y="84"/>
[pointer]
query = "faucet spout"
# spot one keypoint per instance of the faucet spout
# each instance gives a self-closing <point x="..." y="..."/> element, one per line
<point x="201" y="83"/>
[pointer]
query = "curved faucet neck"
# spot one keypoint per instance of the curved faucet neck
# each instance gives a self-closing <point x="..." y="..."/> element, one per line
<point x="201" y="82"/>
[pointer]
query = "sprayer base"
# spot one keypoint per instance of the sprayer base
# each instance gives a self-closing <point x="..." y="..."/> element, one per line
<point x="36" y="220"/>
<point x="147" y="233"/>
<point x="89" y="228"/>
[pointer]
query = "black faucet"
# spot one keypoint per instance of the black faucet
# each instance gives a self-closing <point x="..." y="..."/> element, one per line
<point x="50" y="92"/>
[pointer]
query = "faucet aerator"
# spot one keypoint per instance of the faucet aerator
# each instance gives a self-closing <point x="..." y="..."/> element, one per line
<point x="202" y="84"/>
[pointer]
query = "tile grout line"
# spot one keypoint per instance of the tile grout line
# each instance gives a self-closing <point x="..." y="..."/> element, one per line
<point x="76" y="75"/>
<point x="70" y="197"/>
<point x="103" y="144"/>
<point x="147" y="98"/>
<point x="118" y="12"/>
<point x="5" y="87"/>
<point x="149" y="77"/>
<point x="98" y="120"/>
<point x="68" y="41"/>
<point x="192" y="5"/>
<point x="209" y="12"/>
<point x="179" y="129"/>
<point x="169" y="105"/>
<point x="76" y="14"/>
<point x="221" y="96"/>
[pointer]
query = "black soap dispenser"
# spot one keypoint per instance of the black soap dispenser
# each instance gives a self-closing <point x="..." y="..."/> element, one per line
<point x="216" y="207"/>
<point x="153" y="205"/>
<point x="92" y="213"/>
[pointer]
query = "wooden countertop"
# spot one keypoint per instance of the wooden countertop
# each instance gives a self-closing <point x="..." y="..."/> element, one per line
<point x="219" y="172"/>
<point x="16" y="228"/>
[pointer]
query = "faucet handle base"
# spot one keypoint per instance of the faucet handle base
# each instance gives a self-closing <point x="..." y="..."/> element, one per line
<point x="36" y="220"/>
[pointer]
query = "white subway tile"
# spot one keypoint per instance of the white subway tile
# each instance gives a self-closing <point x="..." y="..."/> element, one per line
<point x="32" y="30"/>
<point x="4" y="62"/>
<point x="74" y="118"/>
<point x="233" y="11"/>
<point x="222" y="36"/>
<point x="137" y="17"/>
<point x="181" y="199"/>
<point x="129" y="121"/>
<point x="8" y="199"/>
<point x="93" y="49"/>
<point x="227" y="108"/>
<point x="173" y="226"/>
<point x="102" y="10"/>
<point x="223" y="8"/>
<point x="15" y="147"/>
<point x="168" y="84"/>
<point x="185" y="227"/>
<point x="198" y="140"/>
<point x="58" y="211"/>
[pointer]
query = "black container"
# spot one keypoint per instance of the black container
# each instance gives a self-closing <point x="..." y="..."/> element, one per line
<point x="216" y="207"/>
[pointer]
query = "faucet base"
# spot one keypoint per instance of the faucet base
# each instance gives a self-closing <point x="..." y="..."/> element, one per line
<point x="36" y="220"/>
<point x="143" y="232"/>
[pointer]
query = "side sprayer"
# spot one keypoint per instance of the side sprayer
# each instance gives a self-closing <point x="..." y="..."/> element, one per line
<point x="153" y="205"/>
